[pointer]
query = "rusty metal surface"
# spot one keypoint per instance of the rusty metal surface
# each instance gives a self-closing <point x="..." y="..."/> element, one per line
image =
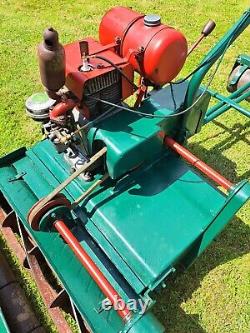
<point x="14" y="304"/>
<point x="48" y="295"/>
<point x="8" y="224"/>
<point x="6" y="275"/>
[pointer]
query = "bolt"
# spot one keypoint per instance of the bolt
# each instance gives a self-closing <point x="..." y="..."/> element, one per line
<point x="118" y="40"/>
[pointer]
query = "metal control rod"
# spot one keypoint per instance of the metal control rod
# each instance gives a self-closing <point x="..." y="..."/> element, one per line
<point x="213" y="55"/>
<point x="92" y="269"/>
<point x="207" y="29"/>
<point x="197" y="163"/>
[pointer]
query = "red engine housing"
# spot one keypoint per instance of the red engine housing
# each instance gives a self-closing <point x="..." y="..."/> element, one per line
<point x="101" y="81"/>
<point x="157" y="52"/>
<point x="76" y="80"/>
<point x="132" y="42"/>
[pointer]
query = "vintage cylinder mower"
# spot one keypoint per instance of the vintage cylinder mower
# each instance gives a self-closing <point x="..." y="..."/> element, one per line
<point x="111" y="198"/>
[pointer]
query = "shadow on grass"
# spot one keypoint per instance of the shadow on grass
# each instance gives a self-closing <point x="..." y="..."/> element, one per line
<point x="232" y="243"/>
<point x="214" y="156"/>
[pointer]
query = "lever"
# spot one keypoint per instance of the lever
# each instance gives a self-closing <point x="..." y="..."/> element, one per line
<point x="207" y="29"/>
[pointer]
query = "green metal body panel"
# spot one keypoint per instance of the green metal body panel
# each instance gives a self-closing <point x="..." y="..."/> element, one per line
<point x="132" y="139"/>
<point x="3" y="324"/>
<point x="144" y="224"/>
<point x="21" y="197"/>
<point x="126" y="215"/>
<point x="41" y="175"/>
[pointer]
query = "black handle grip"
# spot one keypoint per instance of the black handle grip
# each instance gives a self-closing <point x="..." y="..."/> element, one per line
<point x="208" y="28"/>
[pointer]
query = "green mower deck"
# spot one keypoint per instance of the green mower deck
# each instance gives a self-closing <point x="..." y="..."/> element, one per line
<point x="130" y="241"/>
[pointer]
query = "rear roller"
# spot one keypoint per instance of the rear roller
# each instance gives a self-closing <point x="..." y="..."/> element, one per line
<point x="238" y="78"/>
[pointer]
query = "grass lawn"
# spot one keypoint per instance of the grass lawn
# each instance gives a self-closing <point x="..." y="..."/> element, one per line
<point x="213" y="295"/>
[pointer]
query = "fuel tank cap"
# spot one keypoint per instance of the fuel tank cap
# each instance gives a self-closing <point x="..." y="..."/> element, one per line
<point x="152" y="20"/>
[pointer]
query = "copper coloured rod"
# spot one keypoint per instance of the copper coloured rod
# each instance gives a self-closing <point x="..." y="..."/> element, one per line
<point x="92" y="269"/>
<point x="197" y="163"/>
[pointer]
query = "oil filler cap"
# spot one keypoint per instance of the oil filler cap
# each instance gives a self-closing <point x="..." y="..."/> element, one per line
<point x="152" y="20"/>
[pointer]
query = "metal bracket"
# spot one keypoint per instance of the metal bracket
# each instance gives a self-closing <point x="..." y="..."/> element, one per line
<point x="60" y="299"/>
<point x="9" y="220"/>
<point x="33" y="251"/>
<point x="18" y="176"/>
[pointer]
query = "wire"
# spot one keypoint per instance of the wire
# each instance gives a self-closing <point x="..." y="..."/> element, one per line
<point x="144" y="114"/>
<point x="118" y="69"/>
<point x="211" y="58"/>
<point x="172" y="95"/>
<point x="96" y="120"/>
<point x="194" y="71"/>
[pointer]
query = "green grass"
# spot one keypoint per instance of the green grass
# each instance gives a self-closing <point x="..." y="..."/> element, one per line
<point x="213" y="295"/>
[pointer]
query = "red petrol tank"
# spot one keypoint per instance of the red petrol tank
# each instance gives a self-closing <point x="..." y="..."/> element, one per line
<point x="156" y="51"/>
